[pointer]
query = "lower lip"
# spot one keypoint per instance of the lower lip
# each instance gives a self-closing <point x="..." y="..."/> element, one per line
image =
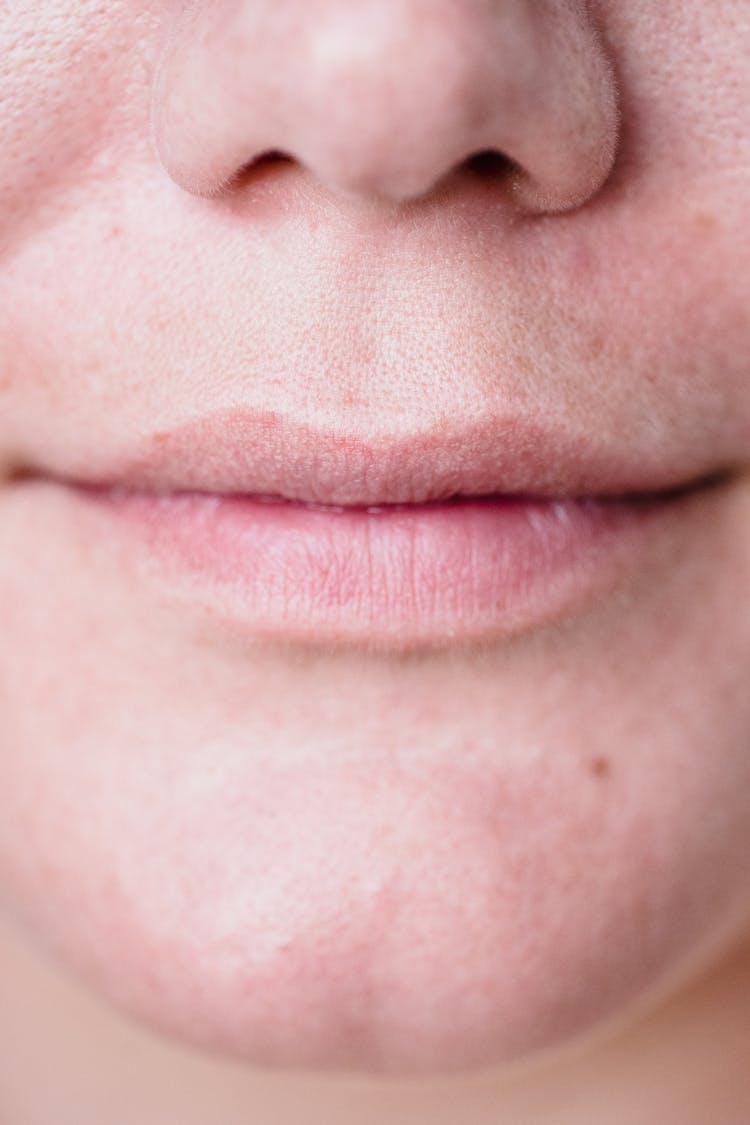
<point x="391" y="578"/>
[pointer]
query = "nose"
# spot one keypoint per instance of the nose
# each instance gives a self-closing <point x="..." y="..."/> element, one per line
<point x="384" y="98"/>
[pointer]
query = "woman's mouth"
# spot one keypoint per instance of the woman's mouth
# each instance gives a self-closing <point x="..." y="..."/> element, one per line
<point x="393" y="549"/>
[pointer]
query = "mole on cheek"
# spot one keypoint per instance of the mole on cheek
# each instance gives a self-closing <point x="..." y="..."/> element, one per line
<point x="600" y="767"/>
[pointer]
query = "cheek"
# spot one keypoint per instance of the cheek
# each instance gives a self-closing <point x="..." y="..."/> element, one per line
<point x="71" y="86"/>
<point x="661" y="320"/>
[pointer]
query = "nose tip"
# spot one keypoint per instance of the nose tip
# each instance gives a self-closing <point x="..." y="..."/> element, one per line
<point x="383" y="99"/>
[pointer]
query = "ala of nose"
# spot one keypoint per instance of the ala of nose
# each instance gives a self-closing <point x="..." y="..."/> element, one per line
<point x="382" y="99"/>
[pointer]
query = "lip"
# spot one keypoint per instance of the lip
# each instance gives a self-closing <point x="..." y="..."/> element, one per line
<point x="263" y="453"/>
<point x="398" y="579"/>
<point x="398" y="542"/>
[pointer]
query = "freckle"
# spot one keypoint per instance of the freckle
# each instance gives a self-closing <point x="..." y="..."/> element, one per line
<point x="596" y="345"/>
<point x="704" y="220"/>
<point x="159" y="438"/>
<point x="600" y="767"/>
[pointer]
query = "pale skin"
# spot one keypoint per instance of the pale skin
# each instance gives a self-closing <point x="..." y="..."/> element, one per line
<point x="244" y="879"/>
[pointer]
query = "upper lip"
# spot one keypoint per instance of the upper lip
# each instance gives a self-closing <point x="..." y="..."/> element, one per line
<point x="250" y="452"/>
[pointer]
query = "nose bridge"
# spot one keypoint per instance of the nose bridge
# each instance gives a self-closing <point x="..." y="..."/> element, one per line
<point x="385" y="97"/>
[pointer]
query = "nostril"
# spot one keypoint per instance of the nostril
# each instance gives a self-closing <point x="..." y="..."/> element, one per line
<point x="263" y="161"/>
<point x="489" y="163"/>
<point x="486" y="164"/>
<point x="255" y="170"/>
<point x="271" y="156"/>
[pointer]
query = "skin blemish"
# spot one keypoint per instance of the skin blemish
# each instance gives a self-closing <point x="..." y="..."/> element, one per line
<point x="705" y="220"/>
<point x="600" y="768"/>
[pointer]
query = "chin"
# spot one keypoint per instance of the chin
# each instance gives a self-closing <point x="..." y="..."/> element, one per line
<point x="409" y="921"/>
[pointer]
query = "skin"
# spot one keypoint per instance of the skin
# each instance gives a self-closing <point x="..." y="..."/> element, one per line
<point x="528" y="856"/>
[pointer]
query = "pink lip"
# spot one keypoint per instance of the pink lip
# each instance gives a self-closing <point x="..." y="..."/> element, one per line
<point x="397" y="578"/>
<point x="450" y="536"/>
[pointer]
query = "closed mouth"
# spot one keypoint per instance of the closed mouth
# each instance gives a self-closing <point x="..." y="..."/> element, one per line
<point x="392" y="543"/>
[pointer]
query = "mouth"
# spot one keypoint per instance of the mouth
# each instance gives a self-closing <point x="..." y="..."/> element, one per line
<point x="392" y="544"/>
